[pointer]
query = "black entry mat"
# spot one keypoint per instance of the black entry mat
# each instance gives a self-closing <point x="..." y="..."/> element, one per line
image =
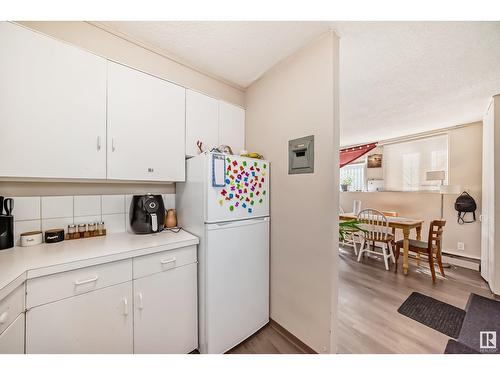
<point x="435" y="314"/>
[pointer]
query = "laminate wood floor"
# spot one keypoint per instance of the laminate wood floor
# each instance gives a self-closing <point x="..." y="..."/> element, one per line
<point x="266" y="341"/>
<point x="368" y="321"/>
<point x="369" y="296"/>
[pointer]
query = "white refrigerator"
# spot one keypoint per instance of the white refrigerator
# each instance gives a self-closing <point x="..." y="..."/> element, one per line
<point x="225" y="202"/>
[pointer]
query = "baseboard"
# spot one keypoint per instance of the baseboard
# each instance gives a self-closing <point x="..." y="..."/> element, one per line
<point x="292" y="338"/>
<point x="461" y="261"/>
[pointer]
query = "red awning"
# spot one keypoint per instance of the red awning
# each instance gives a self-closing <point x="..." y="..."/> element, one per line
<point x="350" y="154"/>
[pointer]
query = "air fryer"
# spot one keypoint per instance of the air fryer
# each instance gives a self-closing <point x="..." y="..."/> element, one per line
<point x="147" y="214"/>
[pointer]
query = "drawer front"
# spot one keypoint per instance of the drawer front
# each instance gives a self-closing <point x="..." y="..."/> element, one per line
<point x="10" y="307"/>
<point x="166" y="260"/>
<point x="12" y="339"/>
<point x="55" y="287"/>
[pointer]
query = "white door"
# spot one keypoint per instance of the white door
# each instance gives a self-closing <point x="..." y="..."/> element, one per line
<point x="12" y="339"/>
<point x="232" y="126"/>
<point x="202" y="122"/>
<point x="245" y="193"/>
<point x="146" y="126"/>
<point x="166" y="314"/>
<point x="94" y="322"/>
<point x="52" y="107"/>
<point x="237" y="282"/>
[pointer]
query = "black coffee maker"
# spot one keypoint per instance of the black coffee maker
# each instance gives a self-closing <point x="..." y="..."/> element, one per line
<point x="6" y="223"/>
<point x="147" y="213"/>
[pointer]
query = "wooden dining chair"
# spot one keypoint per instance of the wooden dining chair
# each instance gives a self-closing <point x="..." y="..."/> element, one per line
<point x="431" y="248"/>
<point x="376" y="231"/>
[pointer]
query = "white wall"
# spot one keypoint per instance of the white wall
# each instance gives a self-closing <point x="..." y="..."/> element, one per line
<point x="299" y="97"/>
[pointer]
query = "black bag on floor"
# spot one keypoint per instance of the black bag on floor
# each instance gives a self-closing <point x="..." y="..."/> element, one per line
<point x="464" y="204"/>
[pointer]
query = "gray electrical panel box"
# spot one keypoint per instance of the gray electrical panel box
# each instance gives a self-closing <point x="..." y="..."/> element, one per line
<point x="301" y="155"/>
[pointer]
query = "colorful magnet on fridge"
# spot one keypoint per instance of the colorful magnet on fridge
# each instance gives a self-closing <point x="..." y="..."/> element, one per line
<point x="231" y="208"/>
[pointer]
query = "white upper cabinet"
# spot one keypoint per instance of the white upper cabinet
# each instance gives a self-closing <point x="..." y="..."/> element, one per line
<point x="214" y="123"/>
<point x="52" y="107"/>
<point x="232" y="126"/>
<point x="202" y="122"/>
<point x="146" y="127"/>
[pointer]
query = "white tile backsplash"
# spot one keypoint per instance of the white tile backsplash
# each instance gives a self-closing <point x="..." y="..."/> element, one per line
<point x="55" y="207"/>
<point x="113" y="204"/>
<point x="114" y="223"/>
<point x="87" y="219"/>
<point x="42" y="213"/>
<point x="58" y="223"/>
<point x="169" y="200"/>
<point x="87" y="205"/>
<point x="128" y="200"/>
<point x="26" y="208"/>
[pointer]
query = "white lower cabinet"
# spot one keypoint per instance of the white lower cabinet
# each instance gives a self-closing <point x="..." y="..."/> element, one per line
<point x="156" y="312"/>
<point x="95" y="322"/>
<point x="12" y="339"/>
<point x="165" y="311"/>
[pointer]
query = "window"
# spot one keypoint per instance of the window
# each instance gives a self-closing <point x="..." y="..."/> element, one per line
<point x="406" y="163"/>
<point x="357" y="173"/>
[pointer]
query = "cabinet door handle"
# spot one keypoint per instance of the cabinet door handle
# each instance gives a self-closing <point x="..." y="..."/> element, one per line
<point x="141" y="305"/>
<point x="113" y="147"/>
<point x="3" y="317"/>
<point x="98" y="143"/>
<point x="168" y="260"/>
<point x="91" y="280"/>
<point x="125" y="306"/>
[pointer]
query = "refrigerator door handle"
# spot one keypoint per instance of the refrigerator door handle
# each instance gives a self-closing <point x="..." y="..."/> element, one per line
<point x="236" y="223"/>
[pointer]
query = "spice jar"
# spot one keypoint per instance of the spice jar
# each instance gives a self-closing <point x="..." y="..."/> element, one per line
<point x="72" y="232"/>
<point x="91" y="229"/>
<point x="82" y="229"/>
<point x="101" y="231"/>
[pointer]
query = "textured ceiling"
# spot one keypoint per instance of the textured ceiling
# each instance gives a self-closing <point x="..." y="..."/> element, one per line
<point x="238" y="52"/>
<point x="405" y="77"/>
<point x="396" y="78"/>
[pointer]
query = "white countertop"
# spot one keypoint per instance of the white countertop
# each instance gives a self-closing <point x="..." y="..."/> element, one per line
<point x="21" y="263"/>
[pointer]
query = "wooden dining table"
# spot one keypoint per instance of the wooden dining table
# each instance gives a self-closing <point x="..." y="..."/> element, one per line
<point x="402" y="223"/>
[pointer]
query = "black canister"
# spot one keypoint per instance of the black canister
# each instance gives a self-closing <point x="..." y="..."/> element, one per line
<point x="54" y="235"/>
<point x="6" y="231"/>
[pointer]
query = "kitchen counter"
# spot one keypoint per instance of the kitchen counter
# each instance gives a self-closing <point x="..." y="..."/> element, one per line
<point x="21" y="263"/>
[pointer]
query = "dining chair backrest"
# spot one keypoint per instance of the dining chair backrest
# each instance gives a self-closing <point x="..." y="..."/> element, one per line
<point x="375" y="225"/>
<point x="435" y="234"/>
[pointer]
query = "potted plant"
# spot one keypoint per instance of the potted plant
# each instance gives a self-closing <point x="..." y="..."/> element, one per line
<point x="348" y="227"/>
<point x="345" y="183"/>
